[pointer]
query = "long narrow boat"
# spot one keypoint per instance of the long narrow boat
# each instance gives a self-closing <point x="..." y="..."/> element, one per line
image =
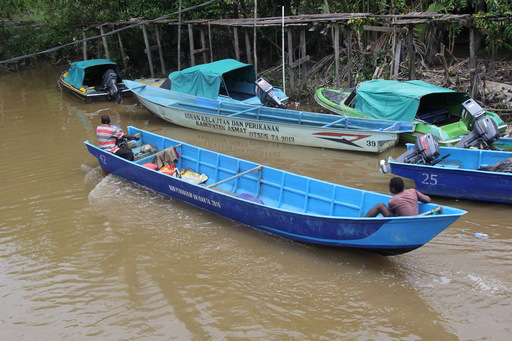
<point x="270" y="124"/>
<point x="457" y="175"/>
<point x="436" y="110"/>
<point x="276" y="201"/>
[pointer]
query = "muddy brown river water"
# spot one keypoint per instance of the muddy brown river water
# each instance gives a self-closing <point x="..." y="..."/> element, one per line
<point x="84" y="255"/>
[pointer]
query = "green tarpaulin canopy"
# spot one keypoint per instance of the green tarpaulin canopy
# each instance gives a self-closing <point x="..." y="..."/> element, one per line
<point x="205" y="80"/>
<point x="399" y="101"/>
<point x="77" y="70"/>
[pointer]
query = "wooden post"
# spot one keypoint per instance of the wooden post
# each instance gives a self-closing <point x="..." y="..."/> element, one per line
<point x="393" y="47"/>
<point x="84" y="46"/>
<point x="303" y="51"/>
<point x="396" y="69"/>
<point x="203" y="46"/>
<point x="255" y="36"/>
<point x="105" y="45"/>
<point x="191" y="43"/>
<point x="235" y="41"/>
<point x="248" y="47"/>
<point x="337" y="53"/>
<point x="349" y="56"/>
<point x="179" y="38"/>
<point x="411" y="52"/>
<point x="160" y="51"/>
<point x="121" y="47"/>
<point x="210" y="41"/>
<point x="290" y="61"/>
<point x="148" y="51"/>
<point x="472" y="61"/>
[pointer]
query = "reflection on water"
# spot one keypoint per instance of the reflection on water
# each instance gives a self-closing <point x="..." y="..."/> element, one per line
<point x="83" y="253"/>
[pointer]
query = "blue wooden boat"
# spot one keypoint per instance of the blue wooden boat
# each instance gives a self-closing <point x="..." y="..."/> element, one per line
<point x="276" y="201"/>
<point x="85" y="80"/>
<point x="457" y="174"/>
<point x="270" y="124"/>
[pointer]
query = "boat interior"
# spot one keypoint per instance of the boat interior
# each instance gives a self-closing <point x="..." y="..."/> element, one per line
<point x="237" y="90"/>
<point x="93" y="76"/>
<point x="261" y="184"/>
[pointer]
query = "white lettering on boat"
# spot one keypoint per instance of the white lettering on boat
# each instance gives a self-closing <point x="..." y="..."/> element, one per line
<point x="254" y="130"/>
<point x="195" y="196"/>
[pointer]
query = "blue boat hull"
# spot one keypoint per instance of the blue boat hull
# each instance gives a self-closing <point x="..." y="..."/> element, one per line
<point x="451" y="178"/>
<point x="383" y="235"/>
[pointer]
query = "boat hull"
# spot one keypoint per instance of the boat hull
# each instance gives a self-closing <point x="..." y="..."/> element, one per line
<point x="383" y="235"/>
<point x="447" y="179"/>
<point x="323" y="138"/>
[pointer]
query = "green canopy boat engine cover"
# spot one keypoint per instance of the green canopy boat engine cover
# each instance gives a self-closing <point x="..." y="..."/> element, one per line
<point x="484" y="131"/>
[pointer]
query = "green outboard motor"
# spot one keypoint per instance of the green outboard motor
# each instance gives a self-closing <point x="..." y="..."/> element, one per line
<point x="484" y="130"/>
<point x="109" y="83"/>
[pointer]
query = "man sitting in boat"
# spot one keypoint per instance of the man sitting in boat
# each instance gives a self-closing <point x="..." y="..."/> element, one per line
<point x="109" y="136"/>
<point x="403" y="203"/>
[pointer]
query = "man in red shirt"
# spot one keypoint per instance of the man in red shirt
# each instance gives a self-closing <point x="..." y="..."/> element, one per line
<point x="108" y="136"/>
<point x="403" y="203"/>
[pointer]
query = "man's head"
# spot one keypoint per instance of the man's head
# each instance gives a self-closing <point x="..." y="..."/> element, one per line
<point x="396" y="185"/>
<point x="105" y="119"/>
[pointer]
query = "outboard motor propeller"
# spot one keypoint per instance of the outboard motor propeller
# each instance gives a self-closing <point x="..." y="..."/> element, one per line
<point x="266" y="95"/>
<point x="484" y="130"/>
<point x="109" y="82"/>
<point x="425" y="151"/>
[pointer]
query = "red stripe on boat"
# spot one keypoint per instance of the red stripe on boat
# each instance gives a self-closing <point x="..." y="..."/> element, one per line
<point x="355" y="137"/>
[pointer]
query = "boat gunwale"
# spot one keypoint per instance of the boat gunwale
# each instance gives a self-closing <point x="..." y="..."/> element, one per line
<point x="306" y="194"/>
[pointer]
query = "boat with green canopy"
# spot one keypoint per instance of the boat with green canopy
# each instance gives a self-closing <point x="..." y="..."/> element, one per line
<point x="94" y="80"/>
<point x="224" y="80"/>
<point x="436" y="110"/>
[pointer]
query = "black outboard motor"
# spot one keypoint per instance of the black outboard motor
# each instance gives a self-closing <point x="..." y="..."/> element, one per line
<point x="425" y="151"/>
<point x="484" y="130"/>
<point x="109" y="83"/>
<point x="266" y="95"/>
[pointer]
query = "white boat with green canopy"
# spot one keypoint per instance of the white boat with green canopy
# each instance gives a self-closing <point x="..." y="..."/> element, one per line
<point x="436" y="110"/>
<point x="223" y="80"/>
<point x="270" y="124"/>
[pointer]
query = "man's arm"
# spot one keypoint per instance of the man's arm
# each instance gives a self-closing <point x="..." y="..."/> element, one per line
<point x="423" y="198"/>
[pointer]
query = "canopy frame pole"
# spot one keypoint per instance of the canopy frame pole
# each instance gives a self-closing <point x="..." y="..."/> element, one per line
<point x="235" y="176"/>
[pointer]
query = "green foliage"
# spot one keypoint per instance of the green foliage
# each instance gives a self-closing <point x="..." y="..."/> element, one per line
<point x="64" y="21"/>
<point x="498" y="34"/>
